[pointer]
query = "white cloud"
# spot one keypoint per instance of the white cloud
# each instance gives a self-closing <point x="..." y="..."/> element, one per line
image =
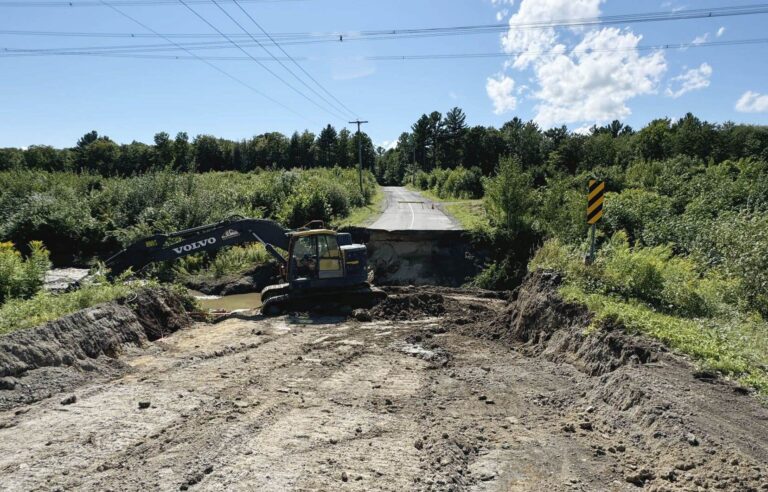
<point x="700" y="39"/>
<point x="388" y="144"/>
<point x="595" y="83"/>
<point x="691" y="80"/>
<point x="453" y="95"/>
<point x="592" y="83"/>
<point x="720" y="32"/>
<point x="533" y="41"/>
<point x="752" y="102"/>
<point x="501" y="14"/>
<point x="500" y="90"/>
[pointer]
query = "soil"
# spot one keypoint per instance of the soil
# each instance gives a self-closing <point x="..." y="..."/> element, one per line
<point x="62" y="354"/>
<point x="253" y="280"/>
<point x="483" y="394"/>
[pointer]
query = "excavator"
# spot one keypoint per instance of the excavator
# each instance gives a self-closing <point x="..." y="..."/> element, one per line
<point x="318" y="266"/>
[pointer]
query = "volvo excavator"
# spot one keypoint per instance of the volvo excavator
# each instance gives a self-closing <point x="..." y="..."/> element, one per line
<point x="318" y="266"/>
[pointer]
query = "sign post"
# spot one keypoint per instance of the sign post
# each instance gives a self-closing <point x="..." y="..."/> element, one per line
<point x="595" y="200"/>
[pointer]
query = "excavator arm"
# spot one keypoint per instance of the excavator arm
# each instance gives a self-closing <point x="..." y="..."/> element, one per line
<point x="211" y="237"/>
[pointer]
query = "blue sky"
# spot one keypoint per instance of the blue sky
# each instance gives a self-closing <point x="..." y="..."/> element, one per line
<point x="55" y="99"/>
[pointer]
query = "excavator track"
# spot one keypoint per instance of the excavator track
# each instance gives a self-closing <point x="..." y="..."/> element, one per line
<point x="280" y="300"/>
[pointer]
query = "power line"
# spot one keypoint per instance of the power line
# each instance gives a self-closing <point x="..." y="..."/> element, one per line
<point x="10" y="52"/>
<point x="249" y="55"/>
<point x="329" y="103"/>
<point x="309" y="37"/>
<point x="293" y="60"/>
<point x="218" y="69"/>
<point x="122" y="3"/>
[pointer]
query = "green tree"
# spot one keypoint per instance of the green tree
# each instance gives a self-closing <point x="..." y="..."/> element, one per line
<point x="327" y="145"/>
<point x="182" y="159"/>
<point x="455" y="130"/>
<point x="508" y="194"/>
<point x="163" y="151"/>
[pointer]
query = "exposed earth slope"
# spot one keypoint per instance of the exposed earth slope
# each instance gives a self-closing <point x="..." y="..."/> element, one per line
<point x="474" y="393"/>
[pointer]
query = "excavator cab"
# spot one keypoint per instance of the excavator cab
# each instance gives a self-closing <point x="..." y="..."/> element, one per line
<point x="323" y="258"/>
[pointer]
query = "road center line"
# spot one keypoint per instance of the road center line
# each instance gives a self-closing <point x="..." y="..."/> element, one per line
<point x="413" y="216"/>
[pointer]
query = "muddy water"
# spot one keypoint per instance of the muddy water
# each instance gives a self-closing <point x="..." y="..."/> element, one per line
<point x="228" y="303"/>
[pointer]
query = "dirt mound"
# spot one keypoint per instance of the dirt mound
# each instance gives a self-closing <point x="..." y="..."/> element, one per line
<point x="547" y="325"/>
<point x="403" y="307"/>
<point x="61" y="354"/>
<point x="253" y="280"/>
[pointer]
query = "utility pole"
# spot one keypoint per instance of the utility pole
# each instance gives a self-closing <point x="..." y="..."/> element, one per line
<point x="359" y="152"/>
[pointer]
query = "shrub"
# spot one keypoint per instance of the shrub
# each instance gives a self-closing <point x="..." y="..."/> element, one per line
<point x="19" y="277"/>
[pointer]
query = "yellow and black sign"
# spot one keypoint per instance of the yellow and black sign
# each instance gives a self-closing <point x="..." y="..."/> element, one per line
<point x="596" y="199"/>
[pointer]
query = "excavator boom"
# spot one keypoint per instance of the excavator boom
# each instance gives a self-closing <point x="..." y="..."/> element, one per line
<point x="211" y="237"/>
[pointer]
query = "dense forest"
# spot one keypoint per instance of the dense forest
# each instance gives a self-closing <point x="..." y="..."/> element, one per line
<point x="99" y="154"/>
<point x="447" y="142"/>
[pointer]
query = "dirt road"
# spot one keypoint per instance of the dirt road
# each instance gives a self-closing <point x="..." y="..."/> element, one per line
<point x="409" y="210"/>
<point x="326" y="404"/>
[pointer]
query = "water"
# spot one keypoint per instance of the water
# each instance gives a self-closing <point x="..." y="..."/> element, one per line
<point x="234" y="302"/>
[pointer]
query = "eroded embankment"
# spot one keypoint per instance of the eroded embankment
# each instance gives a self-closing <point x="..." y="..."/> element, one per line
<point x="61" y="354"/>
<point x="674" y="430"/>
<point x="414" y="257"/>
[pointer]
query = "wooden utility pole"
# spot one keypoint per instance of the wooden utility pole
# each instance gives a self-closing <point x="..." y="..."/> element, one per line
<point x="359" y="152"/>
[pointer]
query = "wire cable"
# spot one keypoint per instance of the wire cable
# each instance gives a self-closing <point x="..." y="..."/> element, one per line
<point x="258" y="62"/>
<point x="10" y="52"/>
<point x="122" y="3"/>
<point x="215" y="67"/>
<point x="293" y="60"/>
<point x="329" y="103"/>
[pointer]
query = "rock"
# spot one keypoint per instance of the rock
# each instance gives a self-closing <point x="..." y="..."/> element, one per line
<point x="69" y="400"/>
<point x="7" y="383"/>
<point x="482" y="397"/>
<point x="333" y="440"/>
<point x="569" y="428"/>
<point x="208" y="470"/>
<point x="143" y="405"/>
<point x="692" y="440"/>
<point x="639" y="478"/>
<point x="490" y="402"/>
<point x="587" y="426"/>
<point x="362" y="315"/>
<point x="344" y="476"/>
<point x="419" y="444"/>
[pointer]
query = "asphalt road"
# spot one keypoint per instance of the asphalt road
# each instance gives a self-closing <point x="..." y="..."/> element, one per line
<point x="409" y="210"/>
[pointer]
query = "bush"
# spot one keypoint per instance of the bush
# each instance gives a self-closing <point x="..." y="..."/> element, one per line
<point x="80" y="216"/>
<point x="19" y="277"/>
<point x="508" y="195"/>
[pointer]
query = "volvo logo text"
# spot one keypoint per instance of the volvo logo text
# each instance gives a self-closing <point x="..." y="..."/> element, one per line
<point x="195" y="245"/>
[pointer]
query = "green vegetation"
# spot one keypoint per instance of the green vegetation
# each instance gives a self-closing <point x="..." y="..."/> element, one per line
<point x="682" y="247"/>
<point x="82" y="216"/>
<point x="17" y="314"/>
<point x="19" y="277"/>
<point x="98" y="154"/>
<point x="365" y="215"/>
<point x="651" y="291"/>
<point x="79" y="216"/>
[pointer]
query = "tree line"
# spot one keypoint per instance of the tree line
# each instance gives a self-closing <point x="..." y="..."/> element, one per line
<point x="99" y="154"/>
<point x="447" y="142"/>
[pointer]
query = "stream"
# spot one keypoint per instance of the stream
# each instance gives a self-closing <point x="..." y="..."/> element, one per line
<point x="235" y="302"/>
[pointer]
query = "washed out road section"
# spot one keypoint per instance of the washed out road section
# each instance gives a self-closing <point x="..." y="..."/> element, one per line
<point x="409" y="210"/>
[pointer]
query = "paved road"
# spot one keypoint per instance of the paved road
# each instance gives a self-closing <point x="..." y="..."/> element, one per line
<point x="409" y="210"/>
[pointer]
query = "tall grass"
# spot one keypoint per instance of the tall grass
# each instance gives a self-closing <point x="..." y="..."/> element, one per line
<point x="695" y="310"/>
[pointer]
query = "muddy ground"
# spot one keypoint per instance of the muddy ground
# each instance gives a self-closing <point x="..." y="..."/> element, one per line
<point x="481" y="393"/>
